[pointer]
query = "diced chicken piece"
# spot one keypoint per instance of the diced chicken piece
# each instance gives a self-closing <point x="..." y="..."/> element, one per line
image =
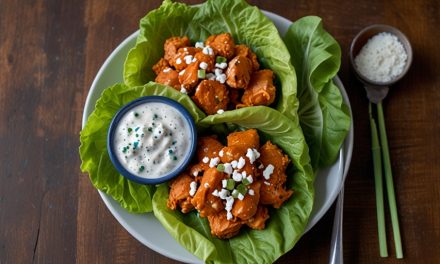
<point x="234" y="153"/>
<point x="172" y="45"/>
<point x="247" y="139"/>
<point x="273" y="191"/>
<point x="239" y="72"/>
<point x="243" y="50"/>
<point x="189" y="77"/>
<point x="179" y="193"/>
<point x="161" y="65"/>
<point x="222" y="44"/>
<point x="246" y="208"/>
<point x="258" y="221"/>
<point x="211" y="96"/>
<point x="183" y="58"/>
<point x="260" y="90"/>
<point x="208" y="59"/>
<point x="209" y="147"/>
<point x="168" y="77"/>
<point x="204" y="201"/>
<point x="223" y="228"/>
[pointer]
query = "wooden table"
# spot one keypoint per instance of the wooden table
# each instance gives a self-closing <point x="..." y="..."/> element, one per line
<point x="50" y="51"/>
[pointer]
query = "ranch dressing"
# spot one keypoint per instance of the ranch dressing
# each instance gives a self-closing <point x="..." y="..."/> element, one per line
<point x="152" y="139"/>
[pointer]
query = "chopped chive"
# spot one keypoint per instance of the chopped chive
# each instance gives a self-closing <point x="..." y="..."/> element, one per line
<point x="155" y="116"/>
<point x="201" y="74"/>
<point x="136" y="114"/>
<point x="170" y="151"/>
<point x="245" y="181"/>
<point x="129" y="130"/>
<point x="235" y="193"/>
<point x="230" y="184"/>
<point x="220" y="59"/>
<point x="141" y="168"/>
<point x="135" y="144"/>
<point x="136" y="129"/>
<point x="174" y="158"/>
<point x="221" y="168"/>
<point x="150" y="129"/>
<point x="241" y="188"/>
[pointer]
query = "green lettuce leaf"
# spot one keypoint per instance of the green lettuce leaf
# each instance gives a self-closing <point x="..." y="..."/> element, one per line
<point x="324" y="117"/>
<point x="285" y="225"/>
<point x="247" y="24"/>
<point x="134" y="197"/>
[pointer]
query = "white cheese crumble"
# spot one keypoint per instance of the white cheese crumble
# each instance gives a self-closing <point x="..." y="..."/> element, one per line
<point x="193" y="188"/>
<point x="252" y="155"/>
<point x="234" y="164"/>
<point x="224" y="183"/>
<point x="241" y="163"/>
<point x="268" y="171"/>
<point x="203" y="65"/>
<point x="228" y="216"/>
<point x="229" y="203"/>
<point x="218" y="72"/>
<point x="178" y="61"/>
<point x="227" y="168"/>
<point x="223" y="194"/>
<point x="220" y="153"/>
<point x="208" y="50"/>
<point x="188" y="59"/>
<point x="251" y="192"/>
<point x="236" y="176"/>
<point x="205" y="160"/>
<point x="210" y="76"/>
<point x="221" y="78"/>
<point x="382" y="59"/>
<point x="213" y="162"/>
<point x="250" y="179"/>
<point x="215" y="193"/>
<point x="222" y="65"/>
<point x="195" y="174"/>
<point x="240" y="197"/>
<point x="220" y="111"/>
<point x="199" y="44"/>
<point x="183" y="90"/>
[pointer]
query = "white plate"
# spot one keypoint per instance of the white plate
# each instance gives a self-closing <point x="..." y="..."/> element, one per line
<point x="145" y="227"/>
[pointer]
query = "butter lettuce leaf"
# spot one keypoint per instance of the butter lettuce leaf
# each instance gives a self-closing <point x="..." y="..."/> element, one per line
<point x="285" y="225"/>
<point x="324" y="117"/>
<point x="247" y="24"/>
<point x="134" y="197"/>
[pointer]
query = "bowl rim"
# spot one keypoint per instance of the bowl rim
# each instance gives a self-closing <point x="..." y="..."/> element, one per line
<point x="121" y="113"/>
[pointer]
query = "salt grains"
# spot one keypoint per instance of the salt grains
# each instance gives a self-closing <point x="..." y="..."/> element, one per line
<point x="382" y="59"/>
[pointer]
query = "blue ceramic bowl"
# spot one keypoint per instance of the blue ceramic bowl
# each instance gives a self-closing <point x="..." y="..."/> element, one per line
<point x="169" y="175"/>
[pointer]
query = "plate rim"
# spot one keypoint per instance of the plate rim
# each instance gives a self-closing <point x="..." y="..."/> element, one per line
<point x="345" y="153"/>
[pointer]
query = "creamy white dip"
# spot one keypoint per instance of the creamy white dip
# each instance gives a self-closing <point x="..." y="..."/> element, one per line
<point x="152" y="139"/>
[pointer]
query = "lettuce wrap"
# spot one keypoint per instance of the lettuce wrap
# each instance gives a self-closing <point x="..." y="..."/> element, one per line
<point x="247" y="24"/>
<point x="286" y="224"/>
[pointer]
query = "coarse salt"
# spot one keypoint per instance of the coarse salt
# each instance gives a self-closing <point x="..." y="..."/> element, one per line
<point x="382" y="59"/>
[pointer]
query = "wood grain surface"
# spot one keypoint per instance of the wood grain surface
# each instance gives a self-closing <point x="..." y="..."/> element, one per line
<point x="50" y="52"/>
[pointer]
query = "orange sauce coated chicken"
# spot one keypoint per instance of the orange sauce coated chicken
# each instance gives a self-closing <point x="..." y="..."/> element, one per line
<point x="218" y="74"/>
<point x="233" y="185"/>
